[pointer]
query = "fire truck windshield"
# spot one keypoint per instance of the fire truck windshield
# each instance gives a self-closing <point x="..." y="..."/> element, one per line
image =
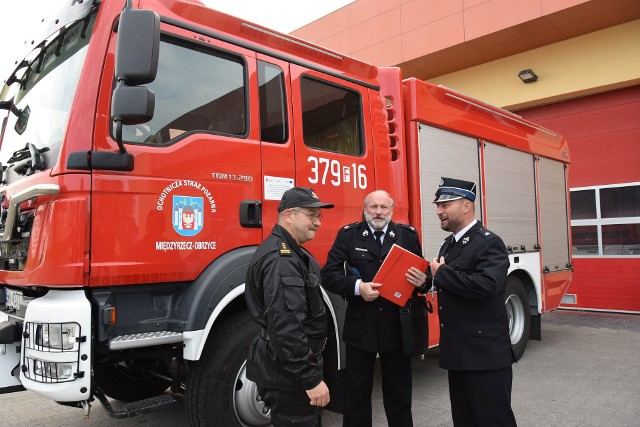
<point x="42" y="96"/>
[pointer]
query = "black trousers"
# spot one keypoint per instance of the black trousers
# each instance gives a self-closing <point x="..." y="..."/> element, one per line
<point x="481" y="398"/>
<point x="291" y="408"/>
<point x="396" y="388"/>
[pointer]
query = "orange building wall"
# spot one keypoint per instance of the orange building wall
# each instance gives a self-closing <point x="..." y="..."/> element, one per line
<point x="386" y="32"/>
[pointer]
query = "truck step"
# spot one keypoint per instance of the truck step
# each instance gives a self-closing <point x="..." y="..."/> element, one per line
<point x="145" y="339"/>
<point x="131" y="409"/>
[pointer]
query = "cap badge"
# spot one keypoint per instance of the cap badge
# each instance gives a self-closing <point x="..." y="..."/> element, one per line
<point x="313" y="194"/>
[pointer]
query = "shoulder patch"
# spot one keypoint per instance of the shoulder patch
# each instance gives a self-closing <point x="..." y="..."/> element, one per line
<point x="283" y="248"/>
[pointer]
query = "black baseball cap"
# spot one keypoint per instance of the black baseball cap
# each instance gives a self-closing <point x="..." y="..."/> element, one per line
<point x="303" y="197"/>
<point x="454" y="189"/>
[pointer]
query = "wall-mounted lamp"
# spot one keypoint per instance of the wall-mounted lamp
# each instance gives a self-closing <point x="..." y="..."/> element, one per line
<point x="528" y="76"/>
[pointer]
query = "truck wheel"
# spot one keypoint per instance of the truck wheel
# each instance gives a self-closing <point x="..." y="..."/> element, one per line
<point x="519" y="317"/>
<point x="122" y="383"/>
<point x="218" y="391"/>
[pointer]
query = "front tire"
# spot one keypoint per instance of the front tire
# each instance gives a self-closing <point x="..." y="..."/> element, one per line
<point x="517" y="305"/>
<point x="218" y="391"/>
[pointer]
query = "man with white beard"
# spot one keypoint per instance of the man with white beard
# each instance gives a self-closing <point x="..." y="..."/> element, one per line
<point x="372" y="324"/>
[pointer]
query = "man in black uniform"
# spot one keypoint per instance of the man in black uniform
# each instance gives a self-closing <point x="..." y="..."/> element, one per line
<point x="372" y="324"/>
<point x="470" y="274"/>
<point x="283" y="296"/>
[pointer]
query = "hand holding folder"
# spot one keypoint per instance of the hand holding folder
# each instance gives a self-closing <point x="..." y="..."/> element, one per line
<point x="392" y="274"/>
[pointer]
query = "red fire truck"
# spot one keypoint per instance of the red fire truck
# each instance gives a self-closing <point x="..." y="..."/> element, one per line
<point x="145" y="146"/>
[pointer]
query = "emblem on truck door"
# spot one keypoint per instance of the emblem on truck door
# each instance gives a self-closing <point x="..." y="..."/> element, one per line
<point x="187" y="215"/>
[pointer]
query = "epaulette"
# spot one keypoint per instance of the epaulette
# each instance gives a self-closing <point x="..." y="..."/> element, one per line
<point x="484" y="232"/>
<point x="283" y="248"/>
<point x="409" y="227"/>
<point x="353" y="225"/>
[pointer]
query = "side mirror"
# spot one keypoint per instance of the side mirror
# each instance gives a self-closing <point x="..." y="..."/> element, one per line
<point x="132" y="105"/>
<point x="137" y="53"/>
<point x="138" y="46"/>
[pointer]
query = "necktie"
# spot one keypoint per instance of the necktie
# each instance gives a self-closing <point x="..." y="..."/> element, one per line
<point x="453" y="242"/>
<point x="378" y="235"/>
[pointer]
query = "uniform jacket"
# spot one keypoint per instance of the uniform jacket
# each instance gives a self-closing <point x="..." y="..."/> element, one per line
<point x="283" y="296"/>
<point x="374" y="325"/>
<point x="474" y="328"/>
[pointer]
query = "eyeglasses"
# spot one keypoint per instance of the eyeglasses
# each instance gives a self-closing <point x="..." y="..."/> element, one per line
<point x="311" y="215"/>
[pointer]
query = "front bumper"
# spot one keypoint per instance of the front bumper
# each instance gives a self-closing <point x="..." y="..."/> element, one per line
<point x="55" y="347"/>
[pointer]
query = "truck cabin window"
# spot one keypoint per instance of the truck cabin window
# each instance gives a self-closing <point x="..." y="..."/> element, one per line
<point x="273" y="105"/>
<point x="331" y="117"/>
<point x="196" y="90"/>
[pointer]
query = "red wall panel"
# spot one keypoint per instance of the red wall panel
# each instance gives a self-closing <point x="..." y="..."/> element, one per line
<point x="606" y="284"/>
<point x="604" y="141"/>
<point x="603" y="132"/>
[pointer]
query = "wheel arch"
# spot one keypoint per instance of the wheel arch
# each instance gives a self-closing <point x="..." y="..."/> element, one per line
<point x="527" y="267"/>
<point x="527" y="281"/>
<point x="216" y="293"/>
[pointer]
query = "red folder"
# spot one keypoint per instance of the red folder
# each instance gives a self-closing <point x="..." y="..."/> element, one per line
<point x="391" y="274"/>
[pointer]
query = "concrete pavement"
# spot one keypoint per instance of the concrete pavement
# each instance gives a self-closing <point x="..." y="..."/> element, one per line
<point x="585" y="372"/>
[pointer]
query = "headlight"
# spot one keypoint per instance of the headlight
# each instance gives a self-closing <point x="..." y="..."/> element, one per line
<point x="57" y="371"/>
<point x="57" y="336"/>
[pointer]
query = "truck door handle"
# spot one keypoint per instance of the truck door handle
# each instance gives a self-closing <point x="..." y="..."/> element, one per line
<point x="251" y="213"/>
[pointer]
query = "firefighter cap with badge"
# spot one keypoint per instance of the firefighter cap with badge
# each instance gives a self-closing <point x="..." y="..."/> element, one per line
<point x="454" y="189"/>
<point x="302" y="197"/>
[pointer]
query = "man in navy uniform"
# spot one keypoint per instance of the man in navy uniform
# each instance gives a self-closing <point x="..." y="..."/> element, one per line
<point x="470" y="274"/>
<point x="372" y="324"/>
<point x="283" y="296"/>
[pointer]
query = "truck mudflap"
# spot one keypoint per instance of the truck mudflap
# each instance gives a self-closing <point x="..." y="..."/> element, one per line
<point x="9" y="359"/>
<point x="55" y="359"/>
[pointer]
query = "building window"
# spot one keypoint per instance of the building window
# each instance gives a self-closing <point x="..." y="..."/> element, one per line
<point x="583" y="204"/>
<point x="621" y="239"/>
<point x="620" y="202"/>
<point x="605" y="221"/>
<point x="585" y="240"/>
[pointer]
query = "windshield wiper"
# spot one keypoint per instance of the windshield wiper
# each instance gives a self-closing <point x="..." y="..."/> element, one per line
<point x="27" y="160"/>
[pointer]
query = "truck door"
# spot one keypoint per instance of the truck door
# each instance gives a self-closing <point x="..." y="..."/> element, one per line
<point x="276" y="139"/>
<point x="333" y="154"/>
<point x="196" y="162"/>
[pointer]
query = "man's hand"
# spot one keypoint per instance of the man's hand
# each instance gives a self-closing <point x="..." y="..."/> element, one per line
<point x="416" y="277"/>
<point x="319" y="395"/>
<point x="368" y="290"/>
<point x="435" y="264"/>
